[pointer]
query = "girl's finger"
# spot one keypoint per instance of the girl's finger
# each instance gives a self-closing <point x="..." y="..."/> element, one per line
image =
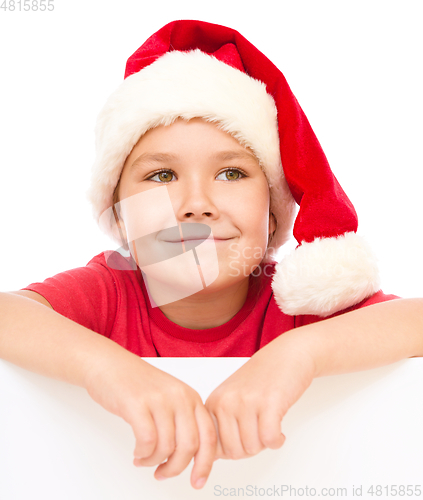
<point x="204" y="458"/>
<point x="165" y="428"/>
<point x="219" y="451"/>
<point x="186" y="445"/>
<point x="269" y="429"/>
<point x="145" y="433"/>
<point x="249" y="433"/>
<point x="229" y="437"/>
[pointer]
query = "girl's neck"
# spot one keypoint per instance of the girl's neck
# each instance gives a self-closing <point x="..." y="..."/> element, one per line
<point x="202" y="311"/>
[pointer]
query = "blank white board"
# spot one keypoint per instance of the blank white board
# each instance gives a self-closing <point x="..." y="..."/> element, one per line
<point x="347" y="431"/>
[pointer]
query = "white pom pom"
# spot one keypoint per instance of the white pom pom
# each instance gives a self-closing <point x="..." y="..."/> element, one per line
<point x="326" y="276"/>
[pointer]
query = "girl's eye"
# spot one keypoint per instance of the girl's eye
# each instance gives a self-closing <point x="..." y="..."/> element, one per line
<point x="231" y="174"/>
<point x="163" y="176"/>
<point x="166" y="176"/>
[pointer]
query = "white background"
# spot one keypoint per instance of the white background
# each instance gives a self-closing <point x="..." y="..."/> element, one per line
<point x="355" y="68"/>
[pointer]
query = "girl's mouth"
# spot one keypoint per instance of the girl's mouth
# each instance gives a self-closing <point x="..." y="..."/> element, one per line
<point x="186" y="232"/>
<point x="197" y="239"/>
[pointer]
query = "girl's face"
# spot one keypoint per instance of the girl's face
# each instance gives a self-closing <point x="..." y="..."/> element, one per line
<point x="210" y="179"/>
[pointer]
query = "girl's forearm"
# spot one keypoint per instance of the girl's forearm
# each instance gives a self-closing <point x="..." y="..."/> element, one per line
<point x="37" y="338"/>
<point x="366" y="338"/>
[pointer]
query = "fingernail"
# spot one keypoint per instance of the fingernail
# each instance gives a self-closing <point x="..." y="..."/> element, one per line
<point x="200" y="482"/>
<point x="160" y="478"/>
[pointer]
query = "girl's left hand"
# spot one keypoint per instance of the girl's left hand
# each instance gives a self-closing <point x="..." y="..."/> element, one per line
<point x="249" y="406"/>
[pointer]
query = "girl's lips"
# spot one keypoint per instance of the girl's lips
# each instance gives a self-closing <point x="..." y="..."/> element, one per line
<point x="197" y="239"/>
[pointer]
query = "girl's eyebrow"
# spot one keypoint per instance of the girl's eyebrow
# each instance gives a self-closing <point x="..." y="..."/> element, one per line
<point x="167" y="157"/>
<point x="154" y="158"/>
<point x="234" y="155"/>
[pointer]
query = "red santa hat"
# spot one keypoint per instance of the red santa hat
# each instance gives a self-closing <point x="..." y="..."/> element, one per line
<point x="194" y="69"/>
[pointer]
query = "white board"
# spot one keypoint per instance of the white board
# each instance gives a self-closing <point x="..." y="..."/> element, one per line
<point x="346" y="431"/>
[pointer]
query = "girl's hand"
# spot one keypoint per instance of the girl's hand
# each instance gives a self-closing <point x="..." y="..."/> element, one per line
<point x="167" y="416"/>
<point x="249" y="406"/>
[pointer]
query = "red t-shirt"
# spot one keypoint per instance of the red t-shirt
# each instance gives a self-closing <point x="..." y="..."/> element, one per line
<point x="115" y="303"/>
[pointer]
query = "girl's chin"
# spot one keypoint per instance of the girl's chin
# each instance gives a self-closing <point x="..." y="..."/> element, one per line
<point x="234" y="269"/>
<point x="228" y="278"/>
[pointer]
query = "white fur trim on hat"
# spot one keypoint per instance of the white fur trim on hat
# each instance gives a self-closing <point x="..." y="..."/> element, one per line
<point x="326" y="276"/>
<point x="190" y="85"/>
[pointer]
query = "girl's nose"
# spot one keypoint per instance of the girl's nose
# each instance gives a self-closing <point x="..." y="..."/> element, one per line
<point x="196" y="203"/>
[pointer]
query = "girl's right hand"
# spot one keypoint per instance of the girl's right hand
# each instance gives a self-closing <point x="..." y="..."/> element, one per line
<point x="168" y="417"/>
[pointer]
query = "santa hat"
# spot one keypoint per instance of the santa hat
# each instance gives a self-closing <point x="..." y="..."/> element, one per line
<point x="196" y="69"/>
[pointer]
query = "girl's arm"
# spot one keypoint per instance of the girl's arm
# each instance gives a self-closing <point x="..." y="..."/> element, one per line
<point x="251" y="403"/>
<point x="162" y="411"/>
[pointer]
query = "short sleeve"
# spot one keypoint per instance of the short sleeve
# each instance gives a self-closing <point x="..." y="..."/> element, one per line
<point x="373" y="299"/>
<point x="86" y="295"/>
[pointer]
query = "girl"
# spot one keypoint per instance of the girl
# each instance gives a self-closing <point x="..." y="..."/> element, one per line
<point x="202" y="153"/>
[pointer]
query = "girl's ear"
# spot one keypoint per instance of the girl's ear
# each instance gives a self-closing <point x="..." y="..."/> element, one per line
<point x="272" y="224"/>
<point x="120" y="228"/>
